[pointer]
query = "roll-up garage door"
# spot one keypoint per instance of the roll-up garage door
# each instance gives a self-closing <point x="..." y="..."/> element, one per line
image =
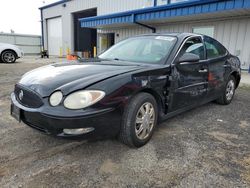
<point x="54" y="36"/>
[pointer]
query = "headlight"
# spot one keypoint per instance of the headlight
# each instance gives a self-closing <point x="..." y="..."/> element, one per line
<point x="82" y="99"/>
<point x="55" y="98"/>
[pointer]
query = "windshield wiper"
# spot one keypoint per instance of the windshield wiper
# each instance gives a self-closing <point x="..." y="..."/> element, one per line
<point x="117" y="59"/>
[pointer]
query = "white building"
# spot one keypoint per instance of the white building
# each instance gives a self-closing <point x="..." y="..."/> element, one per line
<point x="105" y="22"/>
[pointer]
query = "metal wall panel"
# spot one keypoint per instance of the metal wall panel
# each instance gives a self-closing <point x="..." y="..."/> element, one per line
<point x="246" y="46"/>
<point x="54" y="26"/>
<point x="25" y="40"/>
<point x="30" y="44"/>
<point x="187" y="8"/>
<point x="233" y="33"/>
<point x="103" y="7"/>
<point x="7" y="39"/>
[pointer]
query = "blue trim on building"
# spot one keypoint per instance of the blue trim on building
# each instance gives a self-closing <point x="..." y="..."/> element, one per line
<point x="54" y="4"/>
<point x="191" y="7"/>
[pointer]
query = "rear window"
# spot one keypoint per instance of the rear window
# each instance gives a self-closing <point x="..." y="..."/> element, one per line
<point x="213" y="48"/>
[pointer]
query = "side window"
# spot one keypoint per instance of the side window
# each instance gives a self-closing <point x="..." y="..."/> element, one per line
<point x="194" y="46"/>
<point x="213" y="48"/>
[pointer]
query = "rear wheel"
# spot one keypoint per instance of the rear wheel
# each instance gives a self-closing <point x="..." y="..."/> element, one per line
<point x="139" y="120"/>
<point x="228" y="92"/>
<point x="8" y="57"/>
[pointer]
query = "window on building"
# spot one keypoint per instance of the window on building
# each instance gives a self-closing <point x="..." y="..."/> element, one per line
<point x="209" y="31"/>
<point x="214" y="49"/>
<point x="163" y="2"/>
<point x="194" y="46"/>
<point x="177" y="1"/>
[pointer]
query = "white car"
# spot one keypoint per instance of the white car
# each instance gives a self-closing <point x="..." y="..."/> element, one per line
<point x="9" y="53"/>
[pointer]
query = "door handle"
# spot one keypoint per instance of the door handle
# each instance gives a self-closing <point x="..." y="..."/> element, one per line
<point x="202" y="70"/>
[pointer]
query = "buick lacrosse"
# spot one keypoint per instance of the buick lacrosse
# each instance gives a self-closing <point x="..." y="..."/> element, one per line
<point x="128" y="89"/>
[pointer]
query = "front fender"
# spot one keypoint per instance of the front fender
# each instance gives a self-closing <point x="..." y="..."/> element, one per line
<point x="120" y="89"/>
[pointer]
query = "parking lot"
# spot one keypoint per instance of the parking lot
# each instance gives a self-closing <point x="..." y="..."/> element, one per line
<point x="205" y="147"/>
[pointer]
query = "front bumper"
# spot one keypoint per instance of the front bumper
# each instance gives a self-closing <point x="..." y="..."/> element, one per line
<point x="20" y="53"/>
<point x="106" y="122"/>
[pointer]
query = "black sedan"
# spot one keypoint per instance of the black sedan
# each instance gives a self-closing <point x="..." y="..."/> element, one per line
<point x="128" y="89"/>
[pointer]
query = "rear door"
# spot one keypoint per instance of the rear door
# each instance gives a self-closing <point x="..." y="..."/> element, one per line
<point x="189" y="81"/>
<point x="217" y="63"/>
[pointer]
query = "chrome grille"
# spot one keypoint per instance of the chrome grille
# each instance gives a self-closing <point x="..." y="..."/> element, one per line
<point x="27" y="97"/>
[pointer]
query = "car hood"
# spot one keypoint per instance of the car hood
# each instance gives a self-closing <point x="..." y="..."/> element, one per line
<point x="69" y="77"/>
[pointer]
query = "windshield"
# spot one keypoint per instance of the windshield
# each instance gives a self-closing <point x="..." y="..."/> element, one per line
<point x="146" y="49"/>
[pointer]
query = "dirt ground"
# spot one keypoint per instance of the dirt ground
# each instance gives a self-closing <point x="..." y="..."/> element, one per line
<point x="205" y="147"/>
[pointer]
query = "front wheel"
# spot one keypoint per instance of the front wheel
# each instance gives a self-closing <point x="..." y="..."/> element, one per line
<point x="139" y="120"/>
<point x="228" y="92"/>
<point x="8" y="57"/>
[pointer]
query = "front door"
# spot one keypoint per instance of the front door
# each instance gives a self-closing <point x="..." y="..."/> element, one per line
<point x="106" y="40"/>
<point x="189" y="80"/>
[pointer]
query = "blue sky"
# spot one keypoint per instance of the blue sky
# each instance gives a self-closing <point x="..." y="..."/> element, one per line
<point x="22" y="16"/>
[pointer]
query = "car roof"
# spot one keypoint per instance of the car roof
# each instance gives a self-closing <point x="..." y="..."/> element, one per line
<point x="179" y="35"/>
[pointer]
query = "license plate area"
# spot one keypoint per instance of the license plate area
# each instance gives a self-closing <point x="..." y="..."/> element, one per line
<point x="15" y="112"/>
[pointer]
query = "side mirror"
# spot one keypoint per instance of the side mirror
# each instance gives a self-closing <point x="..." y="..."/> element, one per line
<point x="189" y="58"/>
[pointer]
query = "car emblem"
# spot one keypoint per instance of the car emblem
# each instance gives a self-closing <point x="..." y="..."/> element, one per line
<point x="20" y="95"/>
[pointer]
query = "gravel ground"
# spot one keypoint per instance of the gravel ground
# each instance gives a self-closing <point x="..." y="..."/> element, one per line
<point x="205" y="147"/>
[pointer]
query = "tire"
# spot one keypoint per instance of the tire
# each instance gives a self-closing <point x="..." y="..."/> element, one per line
<point x="137" y="129"/>
<point x="228" y="92"/>
<point x="8" y="56"/>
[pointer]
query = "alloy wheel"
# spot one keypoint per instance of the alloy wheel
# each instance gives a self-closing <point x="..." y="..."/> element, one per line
<point x="230" y="90"/>
<point x="9" y="57"/>
<point x="145" y="120"/>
